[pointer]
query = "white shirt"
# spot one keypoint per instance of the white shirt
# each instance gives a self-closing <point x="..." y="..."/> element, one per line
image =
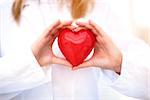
<point x="22" y="78"/>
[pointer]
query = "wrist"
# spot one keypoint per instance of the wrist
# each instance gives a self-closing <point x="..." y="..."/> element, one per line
<point x="35" y="52"/>
<point x="117" y="68"/>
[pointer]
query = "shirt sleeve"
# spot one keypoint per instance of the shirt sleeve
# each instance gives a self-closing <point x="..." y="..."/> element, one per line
<point x="135" y="70"/>
<point x="19" y="72"/>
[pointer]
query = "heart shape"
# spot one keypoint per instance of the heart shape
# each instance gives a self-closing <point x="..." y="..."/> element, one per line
<point x="76" y="44"/>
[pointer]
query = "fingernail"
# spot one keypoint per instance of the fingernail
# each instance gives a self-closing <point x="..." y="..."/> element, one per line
<point x="69" y="22"/>
<point x="77" y="23"/>
<point x="74" y="68"/>
<point x="59" y="21"/>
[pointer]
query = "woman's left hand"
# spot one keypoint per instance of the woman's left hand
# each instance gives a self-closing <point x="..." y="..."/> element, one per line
<point x="106" y="54"/>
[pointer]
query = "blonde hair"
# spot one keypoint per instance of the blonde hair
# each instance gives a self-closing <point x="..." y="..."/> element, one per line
<point x="78" y="8"/>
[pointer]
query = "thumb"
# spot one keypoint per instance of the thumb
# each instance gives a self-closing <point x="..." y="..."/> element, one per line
<point x="85" y="64"/>
<point x="57" y="60"/>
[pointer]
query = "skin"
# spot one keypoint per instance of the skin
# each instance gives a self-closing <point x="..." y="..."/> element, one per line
<point x="106" y="54"/>
<point x="42" y="47"/>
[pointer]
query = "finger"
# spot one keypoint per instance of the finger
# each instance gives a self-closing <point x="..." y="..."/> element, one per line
<point x="99" y="29"/>
<point x="87" y="25"/>
<point x="66" y="23"/>
<point x="51" y="41"/>
<point x="106" y="38"/>
<point x="55" y="30"/>
<point x="49" y="29"/>
<point x="85" y="64"/>
<point x="83" y="24"/>
<point x="63" y="24"/>
<point x="57" y="60"/>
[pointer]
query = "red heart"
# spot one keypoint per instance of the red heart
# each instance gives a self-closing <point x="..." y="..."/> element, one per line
<point x="76" y="45"/>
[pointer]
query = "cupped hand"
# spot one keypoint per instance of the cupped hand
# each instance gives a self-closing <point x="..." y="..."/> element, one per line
<point x="106" y="53"/>
<point x="42" y="47"/>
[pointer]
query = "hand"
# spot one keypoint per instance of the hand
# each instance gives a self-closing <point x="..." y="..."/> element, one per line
<point x="42" y="47"/>
<point x="106" y="54"/>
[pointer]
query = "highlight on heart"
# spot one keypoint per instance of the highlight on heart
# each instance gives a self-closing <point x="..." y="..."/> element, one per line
<point x="76" y="43"/>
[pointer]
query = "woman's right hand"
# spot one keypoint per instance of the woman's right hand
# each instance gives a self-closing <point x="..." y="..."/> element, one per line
<point x="42" y="47"/>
